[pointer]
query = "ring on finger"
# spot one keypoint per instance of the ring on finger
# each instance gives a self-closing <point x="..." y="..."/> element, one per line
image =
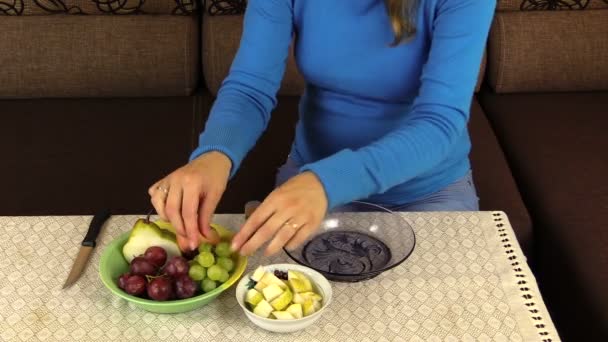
<point x="288" y="223"/>
<point x="163" y="189"/>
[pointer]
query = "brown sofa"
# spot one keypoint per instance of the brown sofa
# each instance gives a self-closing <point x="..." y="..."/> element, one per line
<point x="95" y="108"/>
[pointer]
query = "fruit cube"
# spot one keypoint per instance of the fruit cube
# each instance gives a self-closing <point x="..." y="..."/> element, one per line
<point x="295" y="310"/>
<point x="272" y="291"/>
<point x="282" y="315"/>
<point x="263" y="309"/>
<point x="282" y="301"/>
<point x="253" y="297"/>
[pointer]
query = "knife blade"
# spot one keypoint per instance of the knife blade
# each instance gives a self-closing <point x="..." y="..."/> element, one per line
<point x="86" y="247"/>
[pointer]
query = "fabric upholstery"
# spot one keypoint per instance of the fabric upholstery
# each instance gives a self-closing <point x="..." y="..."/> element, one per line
<point x="556" y="145"/>
<point x="96" y="56"/>
<point x="118" y="7"/>
<point x="549" y="51"/>
<point x="536" y="5"/>
<point x="76" y="156"/>
<point x="220" y="41"/>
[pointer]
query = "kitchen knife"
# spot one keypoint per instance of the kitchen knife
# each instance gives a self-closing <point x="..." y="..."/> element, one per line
<point x="87" y="246"/>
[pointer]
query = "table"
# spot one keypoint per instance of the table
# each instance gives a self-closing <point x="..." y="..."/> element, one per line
<point x="467" y="280"/>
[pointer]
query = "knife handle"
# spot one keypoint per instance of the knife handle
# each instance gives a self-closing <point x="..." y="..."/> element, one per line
<point x="95" y="227"/>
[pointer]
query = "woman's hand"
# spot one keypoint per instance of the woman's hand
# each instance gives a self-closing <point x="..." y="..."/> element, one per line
<point x="288" y="216"/>
<point x="189" y="196"/>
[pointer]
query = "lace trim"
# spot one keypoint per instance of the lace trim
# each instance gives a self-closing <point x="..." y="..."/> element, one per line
<point x="522" y="283"/>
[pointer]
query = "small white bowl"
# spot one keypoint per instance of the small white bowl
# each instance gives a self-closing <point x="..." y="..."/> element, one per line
<point x="286" y="326"/>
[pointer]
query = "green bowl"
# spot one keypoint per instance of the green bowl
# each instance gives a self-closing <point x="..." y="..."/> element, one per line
<point x="112" y="265"/>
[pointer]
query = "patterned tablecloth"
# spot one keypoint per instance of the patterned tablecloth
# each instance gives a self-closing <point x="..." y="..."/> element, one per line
<point x="466" y="280"/>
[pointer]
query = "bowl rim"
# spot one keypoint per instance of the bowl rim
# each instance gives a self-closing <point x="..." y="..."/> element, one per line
<point x="114" y="289"/>
<point x="368" y="273"/>
<point x="245" y="279"/>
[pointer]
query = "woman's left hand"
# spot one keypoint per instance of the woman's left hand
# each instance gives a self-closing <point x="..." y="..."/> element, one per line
<point x="288" y="216"/>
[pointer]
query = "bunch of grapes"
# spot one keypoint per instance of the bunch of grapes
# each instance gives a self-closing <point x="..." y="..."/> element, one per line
<point x="152" y="275"/>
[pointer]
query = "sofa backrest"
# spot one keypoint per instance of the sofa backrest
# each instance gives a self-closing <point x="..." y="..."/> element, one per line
<point x="549" y="45"/>
<point x="221" y="35"/>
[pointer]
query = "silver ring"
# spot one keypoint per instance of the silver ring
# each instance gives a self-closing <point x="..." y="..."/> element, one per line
<point x="292" y="225"/>
<point x="163" y="189"/>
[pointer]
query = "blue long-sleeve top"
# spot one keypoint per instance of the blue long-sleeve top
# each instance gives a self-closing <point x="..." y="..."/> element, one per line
<point x="377" y="122"/>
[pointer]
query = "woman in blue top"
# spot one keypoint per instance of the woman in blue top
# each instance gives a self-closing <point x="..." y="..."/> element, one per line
<point x="383" y="118"/>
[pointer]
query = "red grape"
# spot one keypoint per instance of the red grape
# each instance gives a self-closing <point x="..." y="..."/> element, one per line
<point x="176" y="266"/>
<point x="185" y="287"/>
<point x="189" y="255"/>
<point x="139" y="266"/>
<point x="156" y="256"/>
<point x="160" y="289"/>
<point x="122" y="280"/>
<point x="135" y="285"/>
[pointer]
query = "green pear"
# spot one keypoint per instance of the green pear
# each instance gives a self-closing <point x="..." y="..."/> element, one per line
<point x="270" y="278"/>
<point x="272" y="291"/>
<point x="308" y="307"/>
<point x="258" y="274"/>
<point x="300" y="279"/>
<point x="263" y="309"/>
<point x="253" y="297"/>
<point x="282" y="301"/>
<point x="282" y="315"/>
<point x="146" y="234"/>
<point x="295" y="310"/>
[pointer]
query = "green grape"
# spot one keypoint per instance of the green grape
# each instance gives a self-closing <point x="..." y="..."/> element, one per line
<point x="225" y="263"/>
<point x="223" y="249"/>
<point x="215" y="272"/>
<point x="197" y="272"/>
<point x="224" y="276"/>
<point x="208" y="285"/>
<point x="205" y="247"/>
<point x="205" y="259"/>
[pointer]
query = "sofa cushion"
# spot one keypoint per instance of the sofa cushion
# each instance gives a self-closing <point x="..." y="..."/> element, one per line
<point x="495" y="185"/>
<point x="95" y="56"/>
<point x="539" y="51"/>
<point x="556" y="145"/>
<point x="119" y="7"/>
<point x="534" y="5"/>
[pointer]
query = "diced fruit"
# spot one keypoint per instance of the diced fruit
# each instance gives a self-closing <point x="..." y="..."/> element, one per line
<point x="208" y="285"/>
<point x="206" y="259"/>
<point x="270" y="278"/>
<point x="282" y="301"/>
<point x="295" y="310"/>
<point x="260" y="286"/>
<point x="308" y="307"/>
<point x="197" y="272"/>
<point x="263" y="309"/>
<point x="253" y="297"/>
<point x="146" y="234"/>
<point x="282" y="315"/>
<point x="300" y="298"/>
<point x="299" y="280"/>
<point x="223" y="249"/>
<point x="258" y="274"/>
<point x="272" y="291"/>
<point x="214" y="272"/>
<point x="225" y="263"/>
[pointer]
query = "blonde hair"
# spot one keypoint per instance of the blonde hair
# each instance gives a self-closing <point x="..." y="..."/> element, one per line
<point x="402" y="14"/>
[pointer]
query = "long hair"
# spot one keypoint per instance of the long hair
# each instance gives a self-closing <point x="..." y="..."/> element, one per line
<point x="402" y="14"/>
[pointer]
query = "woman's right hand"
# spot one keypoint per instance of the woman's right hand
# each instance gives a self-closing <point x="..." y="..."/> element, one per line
<point x="189" y="196"/>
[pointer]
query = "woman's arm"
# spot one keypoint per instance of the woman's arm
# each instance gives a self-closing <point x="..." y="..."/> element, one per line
<point x="248" y="95"/>
<point x="438" y="117"/>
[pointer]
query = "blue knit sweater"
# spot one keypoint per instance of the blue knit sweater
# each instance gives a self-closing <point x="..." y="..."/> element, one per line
<point x="382" y="123"/>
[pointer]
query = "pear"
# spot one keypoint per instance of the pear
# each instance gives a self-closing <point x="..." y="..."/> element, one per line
<point x="272" y="291"/>
<point x="263" y="309"/>
<point x="223" y="233"/>
<point x="253" y="297"/>
<point x="282" y="301"/>
<point x="260" y="286"/>
<point x="308" y="307"/>
<point x="258" y="274"/>
<point x="282" y="315"/>
<point x="270" y="278"/>
<point x="147" y="234"/>
<point x="298" y="281"/>
<point x="295" y="310"/>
